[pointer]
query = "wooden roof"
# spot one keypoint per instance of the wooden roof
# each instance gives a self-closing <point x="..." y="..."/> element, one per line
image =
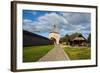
<point x="76" y="36"/>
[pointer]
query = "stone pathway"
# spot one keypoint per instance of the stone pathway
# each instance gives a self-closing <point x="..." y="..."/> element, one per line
<point x="56" y="54"/>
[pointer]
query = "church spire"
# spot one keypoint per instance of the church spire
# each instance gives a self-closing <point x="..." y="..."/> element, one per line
<point x="55" y="29"/>
<point x="54" y="34"/>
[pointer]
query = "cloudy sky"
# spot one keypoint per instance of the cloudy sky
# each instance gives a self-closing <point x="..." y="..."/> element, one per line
<point x="41" y="22"/>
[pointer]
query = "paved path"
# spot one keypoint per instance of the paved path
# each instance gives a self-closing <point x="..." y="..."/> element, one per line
<point x="56" y="54"/>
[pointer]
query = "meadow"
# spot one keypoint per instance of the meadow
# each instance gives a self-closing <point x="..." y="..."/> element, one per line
<point x="34" y="53"/>
<point x="78" y="53"/>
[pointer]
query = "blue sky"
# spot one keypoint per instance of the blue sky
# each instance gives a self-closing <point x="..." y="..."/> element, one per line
<point x="41" y="22"/>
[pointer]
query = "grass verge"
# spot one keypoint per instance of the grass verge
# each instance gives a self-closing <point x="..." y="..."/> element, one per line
<point x="78" y="53"/>
<point x="34" y="53"/>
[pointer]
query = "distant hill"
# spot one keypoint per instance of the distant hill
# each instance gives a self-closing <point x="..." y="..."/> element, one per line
<point x="32" y="39"/>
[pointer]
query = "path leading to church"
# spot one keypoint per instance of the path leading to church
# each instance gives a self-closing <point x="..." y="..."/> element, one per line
<point x="56" y="54"/>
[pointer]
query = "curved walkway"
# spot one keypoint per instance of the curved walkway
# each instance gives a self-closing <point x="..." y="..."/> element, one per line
<point x="56" y="54"/>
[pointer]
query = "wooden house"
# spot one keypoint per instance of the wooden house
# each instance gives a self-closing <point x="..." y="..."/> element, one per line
<point x="77" y="39"/>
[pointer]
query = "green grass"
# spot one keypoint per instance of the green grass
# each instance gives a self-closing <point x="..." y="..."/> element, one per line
<point x="78" y="53"/>
<point x="34" y="53"/>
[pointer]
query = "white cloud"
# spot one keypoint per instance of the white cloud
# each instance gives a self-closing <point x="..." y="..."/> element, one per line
<point x="77" y="18"/>
<point x="34" y="13"/>
<point x="46" y="22"/>
<point x="27" y="21"/>
<point x="53" y="18"/>
<point x="65" y="22"/>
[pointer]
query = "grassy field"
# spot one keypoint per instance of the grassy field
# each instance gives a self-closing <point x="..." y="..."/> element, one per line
<point x="34" y="53"/>
<point x="78" y="53"/>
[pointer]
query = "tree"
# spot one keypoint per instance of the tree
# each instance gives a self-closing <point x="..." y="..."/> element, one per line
<point x="89" y="38"/>
<point x="65" y="39"/>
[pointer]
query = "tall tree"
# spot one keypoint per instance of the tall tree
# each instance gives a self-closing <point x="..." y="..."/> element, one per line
<point x="65" y="39"/>
<point x="89" y="39"/>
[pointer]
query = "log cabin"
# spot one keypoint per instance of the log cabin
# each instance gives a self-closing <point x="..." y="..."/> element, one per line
<point x="77" y="39"/>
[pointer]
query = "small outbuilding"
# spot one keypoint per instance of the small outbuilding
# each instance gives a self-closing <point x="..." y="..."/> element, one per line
<point x="77" y="39"/>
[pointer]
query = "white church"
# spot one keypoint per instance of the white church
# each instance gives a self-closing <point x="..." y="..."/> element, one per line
<point x="54" y="35"/>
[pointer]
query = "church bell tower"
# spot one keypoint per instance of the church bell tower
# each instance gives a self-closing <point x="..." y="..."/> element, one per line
<point x="54" y="35"/>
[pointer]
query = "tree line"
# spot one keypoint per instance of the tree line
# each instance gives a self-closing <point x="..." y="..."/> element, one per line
<point x="67" y="37"/>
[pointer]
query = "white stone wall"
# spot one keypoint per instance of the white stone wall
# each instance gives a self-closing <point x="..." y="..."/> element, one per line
<point x="55" y="36"/>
